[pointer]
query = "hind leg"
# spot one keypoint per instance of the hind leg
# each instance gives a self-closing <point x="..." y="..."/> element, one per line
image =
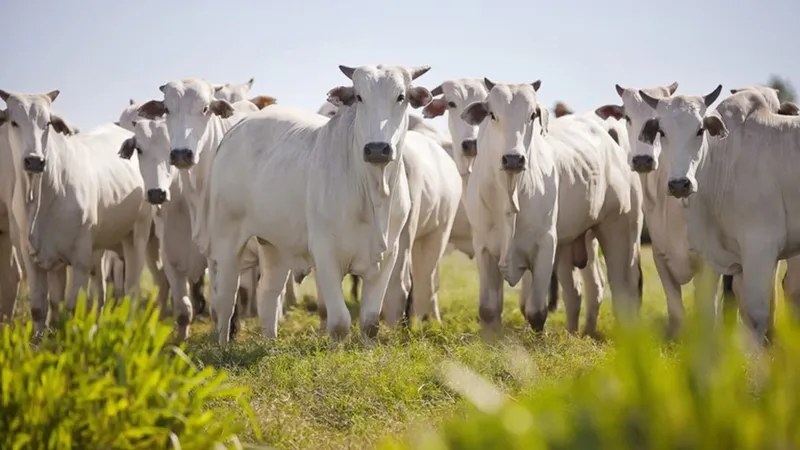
<point x="155" y="267"/>
<point x="593" y="287"/>
<point x="399" y="286"/>
<point x="224" y="268"/>
<point x="622" y="258"/>
<point x="198" y="296"/>
<point x="569" y="285"/>
<point x="271" y="286"/>
<point x="98" y="275"/>
<point x="181" y="304"/>
<point x="427" y="253"/>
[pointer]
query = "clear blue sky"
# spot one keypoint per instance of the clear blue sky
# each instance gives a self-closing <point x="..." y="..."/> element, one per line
<point x="100" y="53"/>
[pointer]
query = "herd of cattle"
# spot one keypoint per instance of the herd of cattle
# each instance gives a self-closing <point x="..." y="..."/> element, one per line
<point x="258" y="194"/>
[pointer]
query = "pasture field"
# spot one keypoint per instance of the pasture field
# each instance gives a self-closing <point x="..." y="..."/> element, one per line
<point x="306" y="396"/>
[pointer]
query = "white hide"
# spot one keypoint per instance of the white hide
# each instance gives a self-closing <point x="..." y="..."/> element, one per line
<point x="574" y="179"/>
<point x="300" y="183"/>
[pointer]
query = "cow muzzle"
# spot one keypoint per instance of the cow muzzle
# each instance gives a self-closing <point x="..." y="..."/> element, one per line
<point x="157" y="196"/>
<point x="680" y="187"/>
<point x="643" y="163"/>
<point x="513" y="162"/>
<point x="182" y="158"/>
<point x="33" y="164"/>
<point x="470" y="147"/>
<point x="378" y="153"/>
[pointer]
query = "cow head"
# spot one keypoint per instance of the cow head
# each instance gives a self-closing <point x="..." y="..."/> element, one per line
<point x="188" y="107"/>
<point x="34" y="125"/>
<point x="509" y="117"/>
<point x="454" y="96"/>
<point x="683" y="122"/>
<point x="381" y="96"/>
<point x="644" y="155"/>
<point x="231" y="92"/>
<point x="151" y="143"/>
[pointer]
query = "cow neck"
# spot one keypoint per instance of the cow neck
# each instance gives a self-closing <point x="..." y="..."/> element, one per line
<point x="195" y="178"/>
<point x="47" y="189"/>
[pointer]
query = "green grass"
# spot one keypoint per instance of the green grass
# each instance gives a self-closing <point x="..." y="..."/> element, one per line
<point x="307" y="396"/>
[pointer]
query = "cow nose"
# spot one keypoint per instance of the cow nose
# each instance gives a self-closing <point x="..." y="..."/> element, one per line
<point x="181" y="158"/>
<point x="33" y="164"/>
<point x="156" y="196"/>
<point x="470" y="147"/>
<point x="680" y="187"/>
<point x="378" y="152"/>
<point x="643" y="163"/>
<point x="513" y="162"/>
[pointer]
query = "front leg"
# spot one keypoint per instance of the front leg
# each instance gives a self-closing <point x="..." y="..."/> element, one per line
<point x="373" y="291"/>
<point x="536" y="303"/>
<point x="490" y="308"/>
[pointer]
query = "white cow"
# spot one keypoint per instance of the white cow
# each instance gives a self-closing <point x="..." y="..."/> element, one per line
<point x="86" y="199"/>
<point x="196" y="123"/>
<point x="538" y="186"/>
<point x="738" y="227"/>
<point x="328" y="194"/>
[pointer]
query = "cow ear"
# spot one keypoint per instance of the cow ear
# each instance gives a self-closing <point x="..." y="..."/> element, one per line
<point x="127" y="148"/>
<point x="221" y="108"/>
<point x="788" y="109"/>
<point x="419" y="96"/>
<point x="544" y="120"/>
<point x="250" y="83"/>
<point x="606" y="111"/>
<point x="262" y="101"/>
<point x="475" y="113"/>
<point x="650" y="129"/>
<point x="715" y="127"/>
<point x="342" y="95"/>
<point x="60" y="126"/>
<point x="435" y="108"/>
<point x="152" y="109"/>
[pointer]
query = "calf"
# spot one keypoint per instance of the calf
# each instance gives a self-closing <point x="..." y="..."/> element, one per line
<point x="536" y="188"/>
<point x="345" y="181"/>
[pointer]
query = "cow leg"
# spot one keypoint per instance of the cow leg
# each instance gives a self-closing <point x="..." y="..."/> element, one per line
<point x="355" y="281"/>
<point x="426" y="255"/>
<point x="672" y="292"/>
<point x="552" y="301"/>
<point x="9" y="278"/>
<point x="99" y="279"/>
<point x="706" y="282"/>
<point x="247" y="292"/>
<point x="56" y="286"/>
<point x="621" y="255"/>
<point x="593" y="288"/>
<point x="543" y="263"/>
<point x="290" y="294"/>
<point x="572" y="296"/>
<point x="791" y="285"/>
<point x="758" y="267"/>
<point x="322" y="310"/>
<point x="198" y="297"/>
<point x="135" y="250"/>
<point x="490" y="297"/>
<point x="80" y="278"/>
<point x="399" y="285"/>
<point x="224" y="271"/>
<point x="37" y="290"/>
<point x="329" y="287"/>
<point x="271" y="286"/>
<point x="373" y="290"/>
<point x="152" y="257"/>
<point x="181" y="305"/>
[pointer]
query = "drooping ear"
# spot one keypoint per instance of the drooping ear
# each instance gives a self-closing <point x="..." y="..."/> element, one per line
<point x="435" y="108"/>
<point x="606" y="111"/>
<point x="650" y="130"/>
<point x="262" y="101"/>
<point x="651" y="102"/>
<point x="127" y="148"/>
<point x="712" y="97"/>
<point x="536" y="85"/>
<point x="419" y="96"/>
<point x="152" y="109"/>
<point x="4" y="95"/>
<point x="672" y="88"/>
<point x="60" y="126"/>
<point x="475" y="113"/>
<point x="715" y="126"/>
<point x="221" y="108"/>
<point x="544" y="120"/>
<point x="342" y="95"/>
<point x="52" y="95"/>
<point x="789" y="109"/>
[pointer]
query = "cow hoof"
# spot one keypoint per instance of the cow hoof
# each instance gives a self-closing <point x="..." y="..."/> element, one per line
<point x="537" y="320"/>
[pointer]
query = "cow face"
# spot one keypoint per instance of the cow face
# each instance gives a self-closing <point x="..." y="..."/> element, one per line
<point x="33" y="124"/>
<point x="644" y="155"/>
<point x="233" y="93"/>
<point x="456" y="95"/>
<point x="509" y="117"/>
<point x="682" y="121"/>
<point x="188" y="107"/>
<point x="381" y="96"/>
<point x="152" y="144"/>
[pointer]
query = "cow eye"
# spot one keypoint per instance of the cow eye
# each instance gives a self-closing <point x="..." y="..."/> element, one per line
<point x="166" y="111"/>
<point x="700" y="131"/>
<point x="492" y="116"/>
<point x="534" y="115"/>
<point x="205" y="110"/>
<point x="627" y="119"/>
<point x="14" y="124"/>
<point x="400" y="98"/>
<point x="451" y="104"/>
<point x="358" y="98"/>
